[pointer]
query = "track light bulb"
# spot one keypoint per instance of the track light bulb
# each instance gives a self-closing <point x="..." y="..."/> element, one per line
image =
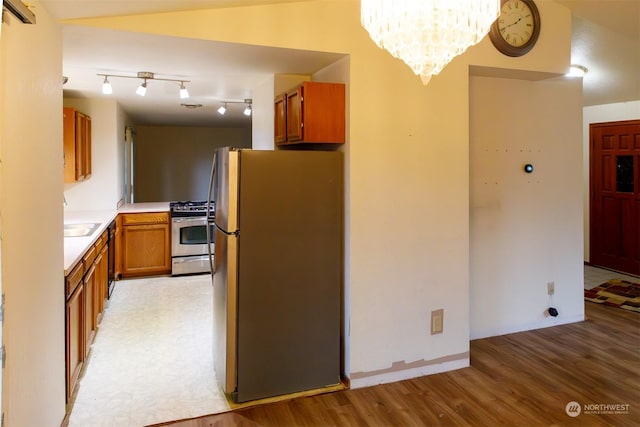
<point x="222" y="109"/>
<point x="184" y="93"/>
<point x="142" y="89"/>
<point x="247" y="110"/>
<point x="106" y="86"/>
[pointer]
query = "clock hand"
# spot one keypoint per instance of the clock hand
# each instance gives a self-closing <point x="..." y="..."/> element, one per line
<point x="511" y="25"/>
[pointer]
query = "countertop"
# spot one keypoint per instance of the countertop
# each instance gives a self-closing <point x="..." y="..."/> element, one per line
<point x="75" y="247"/>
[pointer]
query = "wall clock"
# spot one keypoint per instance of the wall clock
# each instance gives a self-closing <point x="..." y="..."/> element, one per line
<point x="516" y="30"/>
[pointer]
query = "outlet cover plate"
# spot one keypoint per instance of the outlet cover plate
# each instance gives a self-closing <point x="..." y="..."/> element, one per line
<point x="437" y="321"/>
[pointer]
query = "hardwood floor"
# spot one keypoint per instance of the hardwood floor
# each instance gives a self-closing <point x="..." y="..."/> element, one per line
<point x="524" y="379"/>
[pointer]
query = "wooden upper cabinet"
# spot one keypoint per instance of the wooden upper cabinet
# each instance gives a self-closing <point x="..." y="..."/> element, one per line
<point x="77" y="145"/>
<point x="280" y="119"/>
<point x="314" y="113"/>
<point x="294" y="115"/>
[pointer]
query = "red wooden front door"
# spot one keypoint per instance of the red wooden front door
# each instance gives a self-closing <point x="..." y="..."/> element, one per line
<point x="615" y="195"/>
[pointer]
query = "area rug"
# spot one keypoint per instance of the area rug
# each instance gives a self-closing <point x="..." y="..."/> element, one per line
<point x="616" y="293"/>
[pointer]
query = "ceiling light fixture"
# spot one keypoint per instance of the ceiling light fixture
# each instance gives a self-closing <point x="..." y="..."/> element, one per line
<point x="106" y="86"/>
<point x="142" y="89"/>
<point x="427" y="34"/>
<point x="247" y="109"/>
<point x="222" y="109"/>
<point x="576" y="70"/>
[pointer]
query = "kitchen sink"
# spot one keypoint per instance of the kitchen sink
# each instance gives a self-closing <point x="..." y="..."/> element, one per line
<point x="80" y="230"/>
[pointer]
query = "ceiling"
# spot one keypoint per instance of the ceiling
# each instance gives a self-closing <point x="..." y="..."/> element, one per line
<point x="605" y="39"/>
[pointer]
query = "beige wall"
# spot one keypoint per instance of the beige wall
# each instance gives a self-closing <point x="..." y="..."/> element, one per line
<point x="408" y="229"/>
<point x="31" y="218"/>
<point x="526" y="229"/>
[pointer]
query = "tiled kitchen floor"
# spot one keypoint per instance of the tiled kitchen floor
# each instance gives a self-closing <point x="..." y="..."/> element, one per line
<point x="151" y="360"/>
<point x="594" y="276"/>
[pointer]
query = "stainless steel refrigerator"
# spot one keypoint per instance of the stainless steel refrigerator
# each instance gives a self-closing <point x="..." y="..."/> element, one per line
<point x="277" y="271"/>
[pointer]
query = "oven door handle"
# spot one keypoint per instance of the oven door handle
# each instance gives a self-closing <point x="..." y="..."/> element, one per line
<point x="197" y="219"/>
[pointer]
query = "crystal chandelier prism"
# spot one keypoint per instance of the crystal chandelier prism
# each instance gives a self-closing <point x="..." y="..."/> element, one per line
<point x="427" y="34"/>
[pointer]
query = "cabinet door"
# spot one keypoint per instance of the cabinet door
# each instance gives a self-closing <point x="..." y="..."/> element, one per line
<point x="80" y="146"/>
<point x="74" y="338"/>
<point x="280" y="119"/>
<point x="100" y="283"/>
<point x="118" y="250"/>
<point x="77" y="145"/>
<point x="86" y="147"/>
<point x="90" y="314"/>
<point x="295" y="130"/>
<point x="146" y="250"/>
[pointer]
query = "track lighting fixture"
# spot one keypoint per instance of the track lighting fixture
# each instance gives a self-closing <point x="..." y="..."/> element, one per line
<point x="246" y="112"/>
<point x="106" y="86"/>
<point x="142" y="89"/>
<point x="184" y="93"/>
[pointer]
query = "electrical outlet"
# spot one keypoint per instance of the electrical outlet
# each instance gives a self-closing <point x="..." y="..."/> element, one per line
<point x="551" y="288"/>
<point x="437" y="320"/>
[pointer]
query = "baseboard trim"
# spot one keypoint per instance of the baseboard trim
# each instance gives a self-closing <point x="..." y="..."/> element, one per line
<point x="550" y="322"/>
<point x="388" y="376"/>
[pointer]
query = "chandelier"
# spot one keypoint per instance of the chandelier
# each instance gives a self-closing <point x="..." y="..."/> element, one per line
<point x="427" y="34"/>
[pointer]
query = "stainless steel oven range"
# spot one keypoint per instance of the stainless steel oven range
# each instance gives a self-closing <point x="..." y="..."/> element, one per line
<point x="189" y="253"/>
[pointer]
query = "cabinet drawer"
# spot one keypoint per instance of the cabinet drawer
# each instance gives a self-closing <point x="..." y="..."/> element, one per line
<point x="99" y="244"/>
<point x="145" y="218"/>
<point x="89" y="256"/>
<point x="73" y="279"/>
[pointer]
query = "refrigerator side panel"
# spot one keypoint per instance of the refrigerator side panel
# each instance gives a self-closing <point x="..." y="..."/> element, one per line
<point x="290" y="272"/>
<point x="224" y="311"/>
<point x="226" y="191"/>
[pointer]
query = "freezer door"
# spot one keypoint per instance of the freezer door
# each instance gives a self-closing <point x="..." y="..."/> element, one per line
<point x="225" y="291"/>
<point x="226" y="191"/>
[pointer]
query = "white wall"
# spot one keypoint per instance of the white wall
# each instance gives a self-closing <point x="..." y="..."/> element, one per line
<point x="31" y="218"/>
<point x="262" y="116"/>
<point x="104" y="189"/>
<point x="600" y="114"/>
<point x="526" y="229"/>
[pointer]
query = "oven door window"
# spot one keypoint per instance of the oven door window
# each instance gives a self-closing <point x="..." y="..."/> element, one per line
<point x="195" y="235"/>
<point x="190" y="238"/>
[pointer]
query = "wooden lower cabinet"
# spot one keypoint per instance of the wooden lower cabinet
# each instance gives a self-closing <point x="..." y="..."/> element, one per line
<point x="146" y="244"/>
<point x="86" y="292"/>
<point x="142" y="248"/>
<point x="75" y="338"/>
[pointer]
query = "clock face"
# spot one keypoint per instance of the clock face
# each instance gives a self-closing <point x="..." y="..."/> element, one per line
<point x="516" y="30"/>
<point x="516" y="23"/>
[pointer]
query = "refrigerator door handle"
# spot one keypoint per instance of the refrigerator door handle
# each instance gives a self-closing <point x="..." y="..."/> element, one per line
<point x="208" y="227"/>
<point x="235" y="233"/>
